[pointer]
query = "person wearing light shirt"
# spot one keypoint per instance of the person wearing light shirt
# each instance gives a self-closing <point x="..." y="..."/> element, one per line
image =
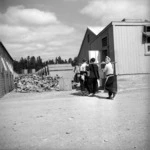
<point x="109" y="83"/>
<point x="83" y="74"/>
<point x="83" y="66"/>
<point x="108" y="68"/>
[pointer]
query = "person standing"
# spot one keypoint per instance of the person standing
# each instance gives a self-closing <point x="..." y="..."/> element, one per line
<point x="77" y="73"/>
<point x="109" y="83"/>
<point x="83" y="74"/>
<point x="92" y="77"/>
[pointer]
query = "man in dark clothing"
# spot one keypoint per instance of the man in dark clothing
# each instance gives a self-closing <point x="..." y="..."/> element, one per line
<point x="92" y="77"/>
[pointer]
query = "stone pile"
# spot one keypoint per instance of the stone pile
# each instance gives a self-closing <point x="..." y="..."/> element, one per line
<point x="35" y="83"/>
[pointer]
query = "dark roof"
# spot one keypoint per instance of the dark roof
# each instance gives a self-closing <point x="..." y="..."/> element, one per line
<point x="87" y="30"/>
<point x="6" y="51"/>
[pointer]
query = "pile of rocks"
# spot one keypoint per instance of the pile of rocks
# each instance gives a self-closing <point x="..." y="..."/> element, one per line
<point x="35" y="83"/>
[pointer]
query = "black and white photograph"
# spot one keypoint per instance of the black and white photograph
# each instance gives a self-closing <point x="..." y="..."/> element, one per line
<point x="74" y="75"/>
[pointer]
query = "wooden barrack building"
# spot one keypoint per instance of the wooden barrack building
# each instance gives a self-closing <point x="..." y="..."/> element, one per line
<point x="6" y="71"/>
<point x="127" y="43"/>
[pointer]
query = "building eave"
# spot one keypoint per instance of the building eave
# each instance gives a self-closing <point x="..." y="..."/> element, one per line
<point x="6" y="51"/>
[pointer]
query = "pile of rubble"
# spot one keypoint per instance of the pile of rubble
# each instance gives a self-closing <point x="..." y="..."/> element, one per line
<point x="35" y="83"/>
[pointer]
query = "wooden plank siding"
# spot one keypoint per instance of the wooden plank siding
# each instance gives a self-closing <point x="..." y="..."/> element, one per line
<point x="129" y="50"/>
<point x="2" y="85"/>
<point x="6" y="76"/>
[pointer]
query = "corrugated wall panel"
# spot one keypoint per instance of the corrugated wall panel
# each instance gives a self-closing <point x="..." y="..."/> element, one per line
<point x="2" y="87"/>
<point x="6" y="77"/>
<point x="129" y="50"/>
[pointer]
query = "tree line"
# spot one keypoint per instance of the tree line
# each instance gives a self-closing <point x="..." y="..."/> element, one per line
<point x="37" y="63"/>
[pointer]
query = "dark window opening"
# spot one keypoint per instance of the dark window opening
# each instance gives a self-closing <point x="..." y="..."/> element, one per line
<point x="145" y="39"/>
<point x="104" y="54"/>
<point x="148" y="39"/>
<point x="148" y="48"/>
<point x="146" y="28"/>
<point x="104" y="41"/>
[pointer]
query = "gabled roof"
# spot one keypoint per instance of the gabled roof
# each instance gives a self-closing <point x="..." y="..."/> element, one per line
<point x="125" y="22"/>
<point x="87" y="31"/>
<point x="95" y="30"/>
<point x="6" y="51"/>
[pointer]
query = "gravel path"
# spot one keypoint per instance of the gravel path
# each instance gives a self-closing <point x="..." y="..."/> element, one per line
<point x="67" y="121"/>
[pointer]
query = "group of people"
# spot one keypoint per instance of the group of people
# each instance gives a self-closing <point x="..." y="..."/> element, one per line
<point x="88" y="75"/>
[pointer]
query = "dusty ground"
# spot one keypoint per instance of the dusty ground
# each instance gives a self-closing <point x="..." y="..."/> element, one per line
<point x="68" y="121"/>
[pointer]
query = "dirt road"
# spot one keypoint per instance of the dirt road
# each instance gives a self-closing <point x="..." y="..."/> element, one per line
<point x="68" y="121"/>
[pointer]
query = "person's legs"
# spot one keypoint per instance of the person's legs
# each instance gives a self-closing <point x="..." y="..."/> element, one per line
<point x="114" y="94"/>
<point x="86" y="85"/>
<point x="95" y="86"/>
<point x="109" y="95"/>
<point x="81" y="85"/>
<point x="90" y="85"/>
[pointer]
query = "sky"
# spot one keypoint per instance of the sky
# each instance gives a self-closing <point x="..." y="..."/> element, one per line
<point x="52" y="28"/>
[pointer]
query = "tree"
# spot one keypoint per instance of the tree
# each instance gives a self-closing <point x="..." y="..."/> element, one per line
<point x="28" y="61"/>
<point x="59" y="60"/>
<point x="51" y="61"/>
<point x="32" y="62"/>
<point x="36" y="63"/>
<point x="70" y="60"/>
<point x="75" y="61"/>
<point x="39" y="63"/>
<point x="22" y="63"/>
<point x="17" y="66"/>
<point x="66" y="61"/>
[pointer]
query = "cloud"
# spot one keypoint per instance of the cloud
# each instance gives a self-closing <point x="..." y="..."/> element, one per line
<point x="115" y="10"/>
<point x="96" y="29"/>
<point x="12" y="33"/>
<point x="31" y="32"/>
<point x="23" y="16"/>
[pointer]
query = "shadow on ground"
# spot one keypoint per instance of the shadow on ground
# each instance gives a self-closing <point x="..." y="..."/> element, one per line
<point x="78" y="93"/>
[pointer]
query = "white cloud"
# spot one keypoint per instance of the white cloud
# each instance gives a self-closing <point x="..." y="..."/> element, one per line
<point x="20" y="15"/>
<point x="115" y="10"/>
<point x="12" y="33"/>
<point x="96" y="29"/>
<point x="25" y="32"/>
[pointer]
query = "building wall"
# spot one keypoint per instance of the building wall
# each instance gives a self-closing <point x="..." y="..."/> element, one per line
<point x="2" y="84"/>
<point x="97" y="43"/>
<point x="126" y="49"/>
<point x="134" y="81"/>
<point x="6" y="75"/>
<point x="85" y="46"/>
<point x="129" y="50"/>
<point x="107" y="50"/>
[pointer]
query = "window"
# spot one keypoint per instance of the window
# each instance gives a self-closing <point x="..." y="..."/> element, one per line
<point x="104" y="41"/>
<point x="146" y="37"/>
<point x="146" y="28"/>
<point x="147" y="49"/>
<point x="146" y="40"/>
